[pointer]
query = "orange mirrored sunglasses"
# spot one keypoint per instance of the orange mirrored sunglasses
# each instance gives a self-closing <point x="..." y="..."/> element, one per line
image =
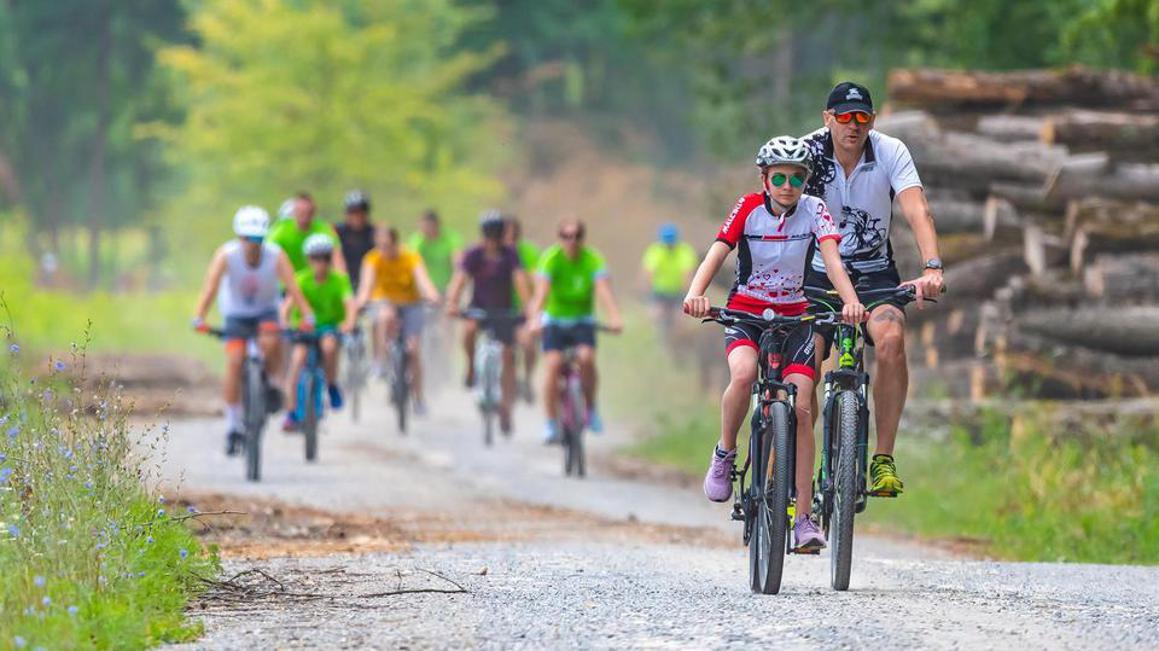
<point x="861" y="116"/>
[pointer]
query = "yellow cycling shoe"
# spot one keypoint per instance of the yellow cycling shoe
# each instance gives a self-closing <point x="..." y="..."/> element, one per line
<point x="883" y="477"/>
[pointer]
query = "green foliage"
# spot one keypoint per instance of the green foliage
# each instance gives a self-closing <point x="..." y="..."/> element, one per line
<point x="285" y="95"/>
<point x="88" y="559"/>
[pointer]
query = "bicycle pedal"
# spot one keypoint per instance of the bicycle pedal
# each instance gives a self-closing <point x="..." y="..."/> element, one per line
<point x="810" y="551"/>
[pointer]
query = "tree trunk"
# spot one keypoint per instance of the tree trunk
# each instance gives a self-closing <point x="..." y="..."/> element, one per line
<point x="1011" y="127"/>
<point x="97" y="165"/>
<point x="1127" y="134"/>
<point x="1077" y="86"/>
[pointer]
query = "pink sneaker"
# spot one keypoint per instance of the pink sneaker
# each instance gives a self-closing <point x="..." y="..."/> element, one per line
<point x="718" y="480"/>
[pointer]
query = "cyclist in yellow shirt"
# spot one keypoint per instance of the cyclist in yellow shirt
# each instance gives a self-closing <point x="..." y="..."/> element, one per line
<point x="668" y="265"/>
<point x="394" y="282"/>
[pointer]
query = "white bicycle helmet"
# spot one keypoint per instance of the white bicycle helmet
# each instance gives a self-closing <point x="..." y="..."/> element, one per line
<point x="356" y="200"/>
<point x="785" y="150"/>
<point x="251" y="221"/>
<point x="318" y="244"/>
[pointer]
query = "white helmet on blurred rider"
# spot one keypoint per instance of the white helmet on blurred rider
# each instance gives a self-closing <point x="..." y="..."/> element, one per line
<point x="785" y="150"/>
<point x="318" y="244"/>
<point x="251" y="221"/>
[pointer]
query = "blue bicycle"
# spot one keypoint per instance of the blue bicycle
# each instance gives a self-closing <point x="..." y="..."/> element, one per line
<point x="311" y="390"/>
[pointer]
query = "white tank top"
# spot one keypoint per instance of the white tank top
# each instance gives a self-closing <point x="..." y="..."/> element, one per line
<point x="249" y="291"/>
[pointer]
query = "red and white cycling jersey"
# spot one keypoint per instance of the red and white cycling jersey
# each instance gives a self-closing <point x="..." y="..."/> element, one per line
<point x="773" y="252"/>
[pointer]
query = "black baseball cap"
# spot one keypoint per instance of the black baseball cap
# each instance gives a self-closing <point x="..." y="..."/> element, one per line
<point x="848" y="96"/>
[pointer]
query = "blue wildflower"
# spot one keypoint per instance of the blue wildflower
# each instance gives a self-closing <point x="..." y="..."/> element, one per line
<point x="13" y="531"/>
<point x="5" y="473"/>
<point x="13" y="431"/>
<point x="47" y="601"/>
<point x="38" y="581"/>
<point x="19" y="641"/>
<point x="59" y="365"/>
<point x="184" y="553"/>
<point x="89" y="485"/>
<point x="161" y="499"/>
<point x="190" y="509"/>
<point x="149" y="540"/>
<point x="160" y="513"/>
<point x="14" y="348"/>
<point x="73" y="610"/>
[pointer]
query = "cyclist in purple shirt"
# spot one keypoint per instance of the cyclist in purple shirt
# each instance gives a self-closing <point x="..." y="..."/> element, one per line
<point x="496" y="276"/>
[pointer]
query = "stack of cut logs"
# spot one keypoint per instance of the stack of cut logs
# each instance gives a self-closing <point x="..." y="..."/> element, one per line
<point x="1045" y="188"/>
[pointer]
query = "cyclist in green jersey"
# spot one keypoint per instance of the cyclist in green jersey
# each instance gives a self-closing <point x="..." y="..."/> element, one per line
<point x="291" y="234"/>
<point x="331" y="297"/>
<point x="526" y="336"/>
<point x="438" y="247"/>
<point x="668" y="264"/>
<point x="569" y="279"/>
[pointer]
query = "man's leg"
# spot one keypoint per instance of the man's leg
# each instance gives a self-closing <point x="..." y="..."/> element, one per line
<point x="231" y="387"/>
<point x="470" y="332"/>
<point x="891" y="381"/>
<point x="891" y="376"/>
<point x="586" y="358"/>
<point x="527" y="340"/>
<point x="507" y="378"/>
<point x="270" y="341"/>
<point x="552" y="367"/>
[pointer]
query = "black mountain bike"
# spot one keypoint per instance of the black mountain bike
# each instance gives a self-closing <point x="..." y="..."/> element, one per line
<point x="398" y="378"/>
<point x="357" y="370"/>
<point x="841" y="489"/>
<point x="256" y="403"/>
<point x="763" y="498"/>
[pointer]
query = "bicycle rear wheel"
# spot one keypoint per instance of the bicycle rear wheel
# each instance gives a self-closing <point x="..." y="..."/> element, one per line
<point x="254" y="390"/>
<point x="400" y="387"/>
<point x="574" y="440"/>
<point x="845" y="485"/>
<point x="773" y="483"/>
<point x="310" y="413"/>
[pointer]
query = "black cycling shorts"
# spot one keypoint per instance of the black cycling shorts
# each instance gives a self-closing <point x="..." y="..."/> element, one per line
<point x="887" y="278"/>
<point x="798" y="354"/>
<point x="562" y="337"/>
<point x="501" y="330"/>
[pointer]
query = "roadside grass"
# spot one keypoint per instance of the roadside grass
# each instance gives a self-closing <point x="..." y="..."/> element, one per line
<point x="142" y="322"/>
<point x="88" y="557"/>
<point x="1028" y="495"/>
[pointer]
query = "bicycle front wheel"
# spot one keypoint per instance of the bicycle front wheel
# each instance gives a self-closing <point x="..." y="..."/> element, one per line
<point x="774" y="484"/>
<point x="845" y="484"/>
<point x="312" y="397"/>
<point x="255" y="417"/>
<point x="573" y="426"/>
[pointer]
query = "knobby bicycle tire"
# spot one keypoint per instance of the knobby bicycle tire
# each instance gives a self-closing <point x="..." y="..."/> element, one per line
<point x="310" y="414"/>
<point x="254" y="387"/>
<point x="845" y="489"/>
<point x="574" y="440"/>
<point x="772" y="511"/>
<point x="400" y="387"/>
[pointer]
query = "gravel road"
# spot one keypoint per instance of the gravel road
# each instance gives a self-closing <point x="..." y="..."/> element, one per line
<point x="521" y="558"/>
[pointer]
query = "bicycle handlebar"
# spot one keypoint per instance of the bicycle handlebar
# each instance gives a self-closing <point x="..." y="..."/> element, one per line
<point x="725" y="316"/>
<point x="872" y="297"/>
<point x="480" y="314"/>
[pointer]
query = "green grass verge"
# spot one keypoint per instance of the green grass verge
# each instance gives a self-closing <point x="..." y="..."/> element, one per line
<point x="88" y="557"/>
<point x="51" y="321"/>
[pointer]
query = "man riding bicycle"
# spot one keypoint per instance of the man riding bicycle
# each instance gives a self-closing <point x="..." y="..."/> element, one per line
<point x="331" y="298"/>
<point x="438" y="247"/>
<point x="291" y="234"/>
<point x="356" y="234"/>
<point x="525" y="334"/>
<point x="858" y="172"/>
<point x="394" y="282"/>
<point x="251" y="269"/>
<point x="570" y="277"/>
<point x="774" y="233"/>
<point x="668" y="264"/>
<point x="496" y="272"/>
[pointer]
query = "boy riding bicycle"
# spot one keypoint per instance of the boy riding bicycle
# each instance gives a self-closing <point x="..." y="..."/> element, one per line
<point x="329" y="294"/>
<point x="774" y="233"/>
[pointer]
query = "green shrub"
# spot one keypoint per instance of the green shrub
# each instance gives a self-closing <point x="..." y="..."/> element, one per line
<point x="88" y="558"/>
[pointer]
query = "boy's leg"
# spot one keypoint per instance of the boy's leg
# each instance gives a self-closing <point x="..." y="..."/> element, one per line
<point x="329" y="346"/>
<point x="297" y="362"/>
<point x="470" y="332"/>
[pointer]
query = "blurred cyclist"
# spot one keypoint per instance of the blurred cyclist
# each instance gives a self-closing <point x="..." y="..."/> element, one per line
<point x="668" y="264"/>
<point x="252" y="269"/>
<point x="330" y="296"/>
<point x="526" y="334"/>
<point x="395" y="281"/>
<point x="570" y="277"/>
<point x="438" y="247"/>
<point x="496" y="273"/>
<point x="291" y="234"/>
<point x="356" y="234"/>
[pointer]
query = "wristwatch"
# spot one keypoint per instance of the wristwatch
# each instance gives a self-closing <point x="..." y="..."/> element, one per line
<point x="935" y="263"/>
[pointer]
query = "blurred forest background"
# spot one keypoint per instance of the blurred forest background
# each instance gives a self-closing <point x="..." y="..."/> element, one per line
<point x="132" y="128"/>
